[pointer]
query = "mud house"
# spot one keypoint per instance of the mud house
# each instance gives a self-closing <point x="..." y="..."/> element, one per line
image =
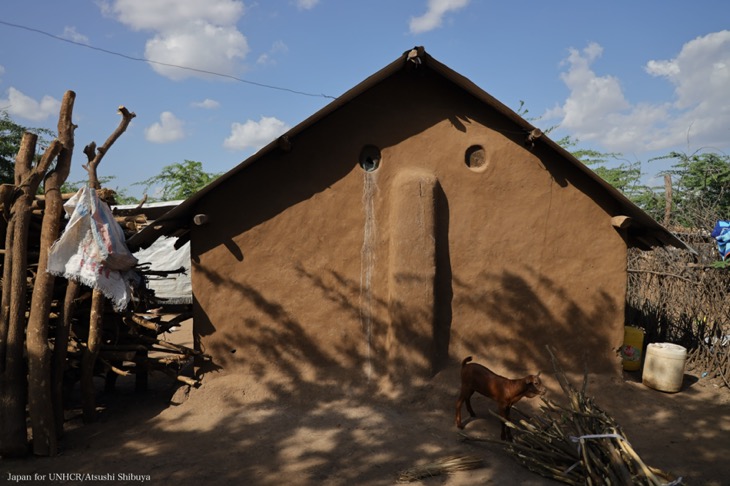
<point x="411" y="222"/>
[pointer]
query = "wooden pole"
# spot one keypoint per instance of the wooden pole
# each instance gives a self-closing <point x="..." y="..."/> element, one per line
<point x="667" y="198"/>
<point x="5" y="298"/>
<point x="66" y="130"/>
<point x="88" y="361"/>
<point x="13" y="383"/>
<point x="95" y="155"/>
<point x="13" y="437"/>
<point x="40" y="403"/>
<point x="60" y="350"/>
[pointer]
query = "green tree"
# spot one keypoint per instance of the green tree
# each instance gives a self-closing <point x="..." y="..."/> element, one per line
<point x="700" y="181"/>
<point x="10" y="135"/>
<point x="178" y="181"/>
<point x="626" y="176"/>
<point x="701" y="188"/>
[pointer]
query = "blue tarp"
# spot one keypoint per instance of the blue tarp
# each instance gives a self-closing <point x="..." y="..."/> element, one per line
<point x="721" y="233"/>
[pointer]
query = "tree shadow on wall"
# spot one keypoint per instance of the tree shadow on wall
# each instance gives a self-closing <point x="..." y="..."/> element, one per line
<point x="519" y="316"/>
<point x="524" y="312"/>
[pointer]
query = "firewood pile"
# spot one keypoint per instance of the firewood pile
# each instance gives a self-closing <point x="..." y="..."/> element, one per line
<point x="578" y="444"/>
<point x="439" y="467"/>
<point x="132" y="343"/>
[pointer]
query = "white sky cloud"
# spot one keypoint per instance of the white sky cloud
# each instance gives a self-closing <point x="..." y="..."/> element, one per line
<point x="597" y="110"/>
<point x="190" y="33"/>
<point x="434" y="15"/>
<point x="207" y="104"/>
<point x="70" y="33"/>
<point x="307" y="4"/>
<point x="701" y="77"/>
<point x="278" y="47"/>
<point x="162" y="15"/>
<point x="168" y="129"/>
<point x="252" y="134"/>
<point x="20" y="105"/>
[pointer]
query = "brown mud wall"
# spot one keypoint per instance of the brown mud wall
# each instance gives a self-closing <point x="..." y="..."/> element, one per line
<point x="320" y="269"/>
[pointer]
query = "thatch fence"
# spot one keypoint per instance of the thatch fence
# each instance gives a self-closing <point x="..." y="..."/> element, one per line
<point x="682" y="298"/>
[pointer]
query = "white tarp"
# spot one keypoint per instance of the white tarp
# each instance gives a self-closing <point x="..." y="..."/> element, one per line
<point x="162" y="256"/>
<point x="92" y="249"/>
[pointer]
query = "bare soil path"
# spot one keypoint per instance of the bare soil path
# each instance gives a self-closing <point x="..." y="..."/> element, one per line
<point x="236" y="429"/>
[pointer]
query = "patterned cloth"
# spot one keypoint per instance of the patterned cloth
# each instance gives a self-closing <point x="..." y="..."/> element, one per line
<point x="92" y="249"/>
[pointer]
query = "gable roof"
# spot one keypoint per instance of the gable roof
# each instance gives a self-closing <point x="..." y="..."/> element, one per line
<point x="642" y="230"/>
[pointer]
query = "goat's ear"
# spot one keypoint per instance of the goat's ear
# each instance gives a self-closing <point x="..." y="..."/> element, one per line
<point x="539" y="373"/>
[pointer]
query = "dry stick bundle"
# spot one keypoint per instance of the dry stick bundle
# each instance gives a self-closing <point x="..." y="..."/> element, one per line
<point x="578" y="444"/>
<point x="441" y="466"/>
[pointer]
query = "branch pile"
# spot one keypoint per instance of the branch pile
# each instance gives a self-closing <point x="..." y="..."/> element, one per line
<point x="442" y="466"/>
<point x="579" y="443"/>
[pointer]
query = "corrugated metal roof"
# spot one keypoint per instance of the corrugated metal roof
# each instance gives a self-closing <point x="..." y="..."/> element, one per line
<point x="644" y="232"/>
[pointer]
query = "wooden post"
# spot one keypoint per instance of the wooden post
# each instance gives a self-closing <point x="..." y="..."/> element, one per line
<point x="88" y="362"/>
<point x="13" y="381"/>
<point x="667" y="199"/>
<point x="60" y="351"/>
<point x="40" y="403"/>
<point x="5" y="298"/>
<point x="13" y="436"/>
<point x="66" y="136"/>
<point x="88" y="359"/>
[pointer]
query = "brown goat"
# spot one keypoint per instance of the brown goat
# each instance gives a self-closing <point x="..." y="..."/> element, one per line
<point x="506" y="392"/>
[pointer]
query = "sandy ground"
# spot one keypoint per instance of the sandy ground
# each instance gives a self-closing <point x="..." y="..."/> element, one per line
<point x="236" y="429"/>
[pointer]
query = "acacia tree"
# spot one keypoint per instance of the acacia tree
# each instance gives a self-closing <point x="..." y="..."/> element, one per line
<point x="179" y="181"/>
<point x="696" y="190"/>
<point x="701" y="188"/>
<point x="626" y="176"/>
<point x="11" y="133"/>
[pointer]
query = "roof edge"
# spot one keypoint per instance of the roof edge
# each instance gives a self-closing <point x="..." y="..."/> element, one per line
<point x="412" y="58"/>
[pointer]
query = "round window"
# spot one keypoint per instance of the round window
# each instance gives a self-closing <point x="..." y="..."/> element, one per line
<point x="476" y="158"/>
<point x="369" y="158"/>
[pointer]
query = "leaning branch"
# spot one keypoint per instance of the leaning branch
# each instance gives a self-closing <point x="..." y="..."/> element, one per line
<point x="94" y="154"/>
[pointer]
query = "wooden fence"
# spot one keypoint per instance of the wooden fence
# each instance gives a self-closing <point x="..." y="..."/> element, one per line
<point x="682" y="298"/>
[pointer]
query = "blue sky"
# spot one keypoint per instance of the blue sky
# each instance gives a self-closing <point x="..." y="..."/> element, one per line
<point x="638" y="77"/>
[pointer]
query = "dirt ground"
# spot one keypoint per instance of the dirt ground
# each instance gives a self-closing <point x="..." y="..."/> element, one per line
<point x="239" y="429"/>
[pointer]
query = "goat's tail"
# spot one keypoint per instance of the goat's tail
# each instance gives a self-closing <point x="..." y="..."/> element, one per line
<point x="465" y="361"/>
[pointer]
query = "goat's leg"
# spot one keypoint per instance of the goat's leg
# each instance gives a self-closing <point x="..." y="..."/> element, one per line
<point x="504" y="412"/>
<point x="464" y="395"/>
<point x="468" y="404"/>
